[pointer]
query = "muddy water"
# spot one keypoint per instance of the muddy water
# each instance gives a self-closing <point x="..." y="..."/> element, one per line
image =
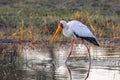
<point x="36" y="62"/>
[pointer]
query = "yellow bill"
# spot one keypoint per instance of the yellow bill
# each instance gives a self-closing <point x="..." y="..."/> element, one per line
<point x="56" y="34"/>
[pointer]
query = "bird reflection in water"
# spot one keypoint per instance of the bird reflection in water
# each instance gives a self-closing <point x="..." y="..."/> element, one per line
<point x="70" y="73"/>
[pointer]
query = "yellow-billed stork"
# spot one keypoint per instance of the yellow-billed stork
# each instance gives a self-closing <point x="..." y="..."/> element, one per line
<point x="76" y="29"/>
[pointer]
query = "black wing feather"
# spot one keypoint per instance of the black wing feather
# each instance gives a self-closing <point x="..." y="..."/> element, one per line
<point x="89" y="39"/>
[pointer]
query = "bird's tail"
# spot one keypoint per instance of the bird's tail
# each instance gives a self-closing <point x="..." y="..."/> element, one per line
<point x="91" y="40"/>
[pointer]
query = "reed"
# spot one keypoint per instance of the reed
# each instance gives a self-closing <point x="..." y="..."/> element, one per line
<point x="30" y="22"/>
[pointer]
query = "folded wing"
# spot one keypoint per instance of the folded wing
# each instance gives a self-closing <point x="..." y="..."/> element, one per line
<point x="82" y="31"/>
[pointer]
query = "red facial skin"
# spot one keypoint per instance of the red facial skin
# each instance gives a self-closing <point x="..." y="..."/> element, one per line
<point x="61" y="25"/>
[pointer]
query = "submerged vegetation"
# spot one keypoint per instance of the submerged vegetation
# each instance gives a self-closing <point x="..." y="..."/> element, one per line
<point x="36" y="20"/>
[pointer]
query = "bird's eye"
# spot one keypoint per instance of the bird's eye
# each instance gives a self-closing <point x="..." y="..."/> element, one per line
<point x="61" y="25"/>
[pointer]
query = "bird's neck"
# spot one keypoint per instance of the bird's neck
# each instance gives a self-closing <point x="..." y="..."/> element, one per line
<point x="66" y="28"/>
<point x="67" y="32"/>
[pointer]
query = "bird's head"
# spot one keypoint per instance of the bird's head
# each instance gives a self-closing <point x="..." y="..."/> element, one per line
<point x="61" y="25"/>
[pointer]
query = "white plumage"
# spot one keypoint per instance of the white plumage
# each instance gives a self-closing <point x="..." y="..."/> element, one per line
<point x="77" y="29"/>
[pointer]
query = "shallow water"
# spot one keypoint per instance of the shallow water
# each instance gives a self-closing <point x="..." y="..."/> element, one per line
<point x="46" y="63"/>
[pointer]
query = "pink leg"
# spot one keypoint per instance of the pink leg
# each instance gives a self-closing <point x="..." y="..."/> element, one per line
<point x="71" y="48"/>
<point x="89" y="59"/>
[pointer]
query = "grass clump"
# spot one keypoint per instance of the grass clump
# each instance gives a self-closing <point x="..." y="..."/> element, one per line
<point x="35" y="21"/>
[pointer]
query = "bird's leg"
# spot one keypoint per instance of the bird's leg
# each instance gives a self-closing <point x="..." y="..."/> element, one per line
<point x="71" y="48"/>
<point x="89" y="58"/>
<point x="86" y="47"/>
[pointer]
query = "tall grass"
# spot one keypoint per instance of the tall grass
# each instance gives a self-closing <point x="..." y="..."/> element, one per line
<point x="31" y="22"/>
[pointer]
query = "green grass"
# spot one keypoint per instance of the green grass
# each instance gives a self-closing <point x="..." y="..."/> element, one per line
<point x="32" y="20"/>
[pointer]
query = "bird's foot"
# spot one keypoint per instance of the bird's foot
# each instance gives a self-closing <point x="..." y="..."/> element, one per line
<point x="66" y="61"/>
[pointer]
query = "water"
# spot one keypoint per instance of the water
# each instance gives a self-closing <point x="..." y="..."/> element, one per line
<point x="29" y="61"/>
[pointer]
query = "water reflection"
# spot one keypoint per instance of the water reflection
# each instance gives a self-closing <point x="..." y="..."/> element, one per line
<point x="36" y="62"/>
<point x="43" y="72"/>
<point x="100" y="74"/>
<point x="102" y="58"/>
